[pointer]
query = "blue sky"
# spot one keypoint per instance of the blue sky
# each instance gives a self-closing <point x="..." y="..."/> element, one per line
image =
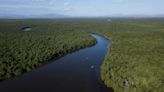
<point x="82" y="7"/>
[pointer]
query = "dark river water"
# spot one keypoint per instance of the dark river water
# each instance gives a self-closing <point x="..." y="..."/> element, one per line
<point x="76" y="72"/>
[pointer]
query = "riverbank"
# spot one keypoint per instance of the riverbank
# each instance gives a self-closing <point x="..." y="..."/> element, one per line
<point x="21" y="52"/>
<point x="135" y="62"/>
<point x="62" y="75"/>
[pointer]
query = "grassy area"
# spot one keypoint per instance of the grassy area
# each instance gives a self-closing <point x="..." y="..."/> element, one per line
<point x="21" y="51"/>
<point x="135" y="62"/>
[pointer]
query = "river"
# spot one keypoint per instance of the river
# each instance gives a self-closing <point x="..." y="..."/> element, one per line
<point x="75" y="72"/>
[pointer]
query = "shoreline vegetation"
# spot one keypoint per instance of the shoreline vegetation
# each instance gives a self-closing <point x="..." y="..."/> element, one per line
<point x="135" y="60"/>
<point x="134" y="63"/>
<point x="21" y="52"/>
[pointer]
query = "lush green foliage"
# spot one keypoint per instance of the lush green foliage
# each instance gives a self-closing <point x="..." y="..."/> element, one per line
<point x="135" y="62"/>
<point x="23" y="51"/>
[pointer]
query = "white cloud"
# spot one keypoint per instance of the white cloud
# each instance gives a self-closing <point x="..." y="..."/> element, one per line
<point x="66" y="4"/>
<point x="67" y="9"/>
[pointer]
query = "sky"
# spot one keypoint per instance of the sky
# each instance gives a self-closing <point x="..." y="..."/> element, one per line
<point x="82" y="7"/>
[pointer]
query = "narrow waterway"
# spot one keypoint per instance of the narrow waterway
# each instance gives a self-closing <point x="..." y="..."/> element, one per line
<point x="76" y="72"/>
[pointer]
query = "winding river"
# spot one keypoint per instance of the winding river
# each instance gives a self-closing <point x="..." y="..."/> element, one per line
<point x="76" y="72"/>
